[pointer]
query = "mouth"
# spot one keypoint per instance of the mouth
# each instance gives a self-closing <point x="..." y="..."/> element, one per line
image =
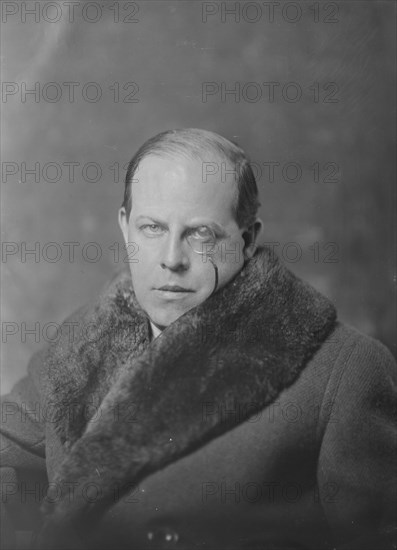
<point x="174" y="288"/>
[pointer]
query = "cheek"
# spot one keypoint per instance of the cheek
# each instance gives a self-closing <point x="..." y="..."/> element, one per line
<point x="143" y="268"/>
<point x="144" y="257"/>
<point x="229" y="264"/>
<point x="141" y="262"/>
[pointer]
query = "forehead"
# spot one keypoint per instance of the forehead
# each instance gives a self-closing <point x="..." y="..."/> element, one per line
<point x="183" y="187"/>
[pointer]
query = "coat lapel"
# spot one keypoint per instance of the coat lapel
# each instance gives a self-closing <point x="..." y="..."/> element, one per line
<point x="237" y="350"/>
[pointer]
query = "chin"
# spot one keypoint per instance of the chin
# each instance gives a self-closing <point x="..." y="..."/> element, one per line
<point x="165" y="318"/>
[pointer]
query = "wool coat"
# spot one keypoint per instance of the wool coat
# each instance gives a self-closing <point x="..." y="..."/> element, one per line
<point x="256" y="420"/>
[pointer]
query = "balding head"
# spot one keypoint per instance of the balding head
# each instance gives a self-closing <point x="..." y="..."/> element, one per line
<point x="221" y="161"/>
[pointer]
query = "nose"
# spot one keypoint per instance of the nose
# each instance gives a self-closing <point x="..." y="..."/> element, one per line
<point x="174" y="255"/>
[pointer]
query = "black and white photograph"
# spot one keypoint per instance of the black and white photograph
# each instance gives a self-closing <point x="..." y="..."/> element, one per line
<point x="198" y="275"/>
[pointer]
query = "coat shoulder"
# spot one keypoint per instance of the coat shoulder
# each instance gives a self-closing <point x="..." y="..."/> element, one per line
<point x="348" y="363"/>
<point x="352" y="370"/>
<point x="354" y="351"/>
<point x="347" y="345"/>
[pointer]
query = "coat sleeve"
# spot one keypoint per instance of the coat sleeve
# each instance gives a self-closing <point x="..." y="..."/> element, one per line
<point x="23" y="478"/>
<point x="358" y="456"/>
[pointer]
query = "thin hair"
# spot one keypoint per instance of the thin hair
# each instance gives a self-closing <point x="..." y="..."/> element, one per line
<point x="203" y="145"/>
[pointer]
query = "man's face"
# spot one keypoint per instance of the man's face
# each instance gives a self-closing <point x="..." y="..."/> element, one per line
<point x="172" y="201"/>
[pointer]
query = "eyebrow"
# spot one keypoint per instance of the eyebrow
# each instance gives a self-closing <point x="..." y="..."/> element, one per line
<point x="211" y="224"/>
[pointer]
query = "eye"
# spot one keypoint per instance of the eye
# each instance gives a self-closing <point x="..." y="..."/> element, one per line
<point x="203" y="232"/>
<point x="151" y="229"/>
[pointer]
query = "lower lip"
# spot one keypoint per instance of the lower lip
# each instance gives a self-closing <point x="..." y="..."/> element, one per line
<point x="172" y="295"/>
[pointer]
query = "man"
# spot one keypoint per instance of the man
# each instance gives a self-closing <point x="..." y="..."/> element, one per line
<point x="209" y="398"/>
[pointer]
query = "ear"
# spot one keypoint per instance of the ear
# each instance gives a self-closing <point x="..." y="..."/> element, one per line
<point x="123" y="223"/>
<point x="250" y="236"/>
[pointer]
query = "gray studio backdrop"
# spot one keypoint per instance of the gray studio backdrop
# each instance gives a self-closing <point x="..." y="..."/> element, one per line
<point x="307" y="88"/>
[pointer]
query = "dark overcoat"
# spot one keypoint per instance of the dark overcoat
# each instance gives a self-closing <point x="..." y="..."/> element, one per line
<point x="256" y="420"/>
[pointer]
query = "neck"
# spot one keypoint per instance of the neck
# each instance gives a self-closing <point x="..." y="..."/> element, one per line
<point x="156" y="331"/>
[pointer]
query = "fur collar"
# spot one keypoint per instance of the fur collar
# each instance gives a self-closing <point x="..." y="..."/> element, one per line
<point x="241" y="347"/>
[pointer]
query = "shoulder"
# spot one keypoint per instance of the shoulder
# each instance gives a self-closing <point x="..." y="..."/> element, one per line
<point x="358" y="377"/>
<point x="96" y="316"/>
<point x="85" y="335"/>
<point x="353" y="353"/>
<point x="357" y="438"/>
